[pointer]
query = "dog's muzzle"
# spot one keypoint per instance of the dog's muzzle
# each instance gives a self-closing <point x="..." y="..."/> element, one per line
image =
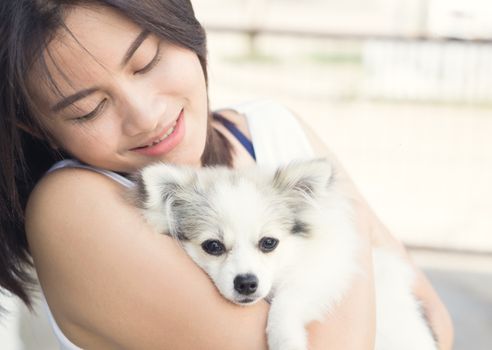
<point x="246" y="284"/>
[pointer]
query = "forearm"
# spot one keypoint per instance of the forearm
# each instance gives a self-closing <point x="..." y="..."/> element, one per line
<point x="435" y="311"/>
<point x="380" y="236"/>
<point x="351" y="325"/>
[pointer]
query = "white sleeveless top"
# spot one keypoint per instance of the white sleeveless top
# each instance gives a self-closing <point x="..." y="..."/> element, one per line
<point x="277" y="138"/>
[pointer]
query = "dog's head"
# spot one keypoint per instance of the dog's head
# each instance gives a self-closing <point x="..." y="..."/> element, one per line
<point x="243" y="227"/>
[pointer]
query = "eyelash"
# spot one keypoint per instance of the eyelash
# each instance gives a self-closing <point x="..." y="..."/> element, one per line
<point x="152" y="63"/>
<point x="92" y="114"/>
<point x="144" y="70"/>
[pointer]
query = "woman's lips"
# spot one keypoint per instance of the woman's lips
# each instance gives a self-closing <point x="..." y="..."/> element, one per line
<point x="168" y="143"/>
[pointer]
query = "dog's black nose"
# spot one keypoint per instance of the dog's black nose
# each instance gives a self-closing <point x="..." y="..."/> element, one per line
<point x="246" y="284"/>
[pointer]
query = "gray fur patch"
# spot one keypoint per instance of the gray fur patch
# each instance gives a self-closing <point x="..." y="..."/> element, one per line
<point x="300" y="228"/>
<point x="425" y="316"/>
<point x="192" y="214"/>
<point x="139" y="195"/>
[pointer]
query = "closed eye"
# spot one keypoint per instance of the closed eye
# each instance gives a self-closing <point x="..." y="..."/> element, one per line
<point x="152" y="63"/>
<point x="94" y="112"/>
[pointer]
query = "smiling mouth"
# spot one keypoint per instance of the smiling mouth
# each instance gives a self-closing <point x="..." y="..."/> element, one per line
<point x="162" y="138"/>
<point x="169" y="138"/>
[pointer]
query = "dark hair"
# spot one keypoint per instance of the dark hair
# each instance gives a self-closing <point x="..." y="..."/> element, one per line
<point x="26" y="29"/>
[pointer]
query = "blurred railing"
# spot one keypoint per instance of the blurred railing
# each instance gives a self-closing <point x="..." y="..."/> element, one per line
<point x="254" y="32"/>
<point x="408" y="68"/>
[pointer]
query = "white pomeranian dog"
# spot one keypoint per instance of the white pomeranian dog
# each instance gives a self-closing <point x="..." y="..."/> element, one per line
<point x="287" y="236"/>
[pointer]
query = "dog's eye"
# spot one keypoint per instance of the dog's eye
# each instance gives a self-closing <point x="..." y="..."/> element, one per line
<point x="267" y="244"/>
<point x="213" y="247"/>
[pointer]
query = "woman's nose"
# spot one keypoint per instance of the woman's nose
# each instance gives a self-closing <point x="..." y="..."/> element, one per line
<point x="143" y="113"/>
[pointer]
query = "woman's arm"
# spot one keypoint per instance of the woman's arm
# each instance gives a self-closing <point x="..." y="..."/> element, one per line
<point x="112" y="283"/>
<point x="435" y="310"/>
<point x="380" y="236"/>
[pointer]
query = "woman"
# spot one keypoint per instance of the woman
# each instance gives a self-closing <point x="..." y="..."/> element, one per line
<point x="117" y="85"/>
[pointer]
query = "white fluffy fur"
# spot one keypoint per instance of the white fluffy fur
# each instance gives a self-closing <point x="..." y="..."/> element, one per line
<point x="308" y="272"/>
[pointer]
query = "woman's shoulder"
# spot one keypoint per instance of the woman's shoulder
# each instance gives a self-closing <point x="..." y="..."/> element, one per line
<point x="278" y="134"/>
<point x="238" y="119"/>
<point x="65" y="202"/>
<point x="65" y="188"/>
<point x="64" y="230"/>
<point x="67" y="205"/>
<point x="262" y="111"/>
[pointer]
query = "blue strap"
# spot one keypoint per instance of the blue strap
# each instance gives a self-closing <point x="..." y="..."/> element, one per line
<point x="243" y="140"/>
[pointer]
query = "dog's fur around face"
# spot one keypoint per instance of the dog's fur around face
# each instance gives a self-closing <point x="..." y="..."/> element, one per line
<point x="286" y="235"/>
<point x="244" y="212"/>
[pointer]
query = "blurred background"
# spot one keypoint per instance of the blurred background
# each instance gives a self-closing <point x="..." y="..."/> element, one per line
<point x="401" y="92"/>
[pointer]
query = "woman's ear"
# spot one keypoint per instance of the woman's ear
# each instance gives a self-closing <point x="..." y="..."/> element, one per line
<point x="29" y="130"/>
<point x="36" y="134"/>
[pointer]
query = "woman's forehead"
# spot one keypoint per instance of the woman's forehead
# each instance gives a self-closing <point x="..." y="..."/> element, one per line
<point x="96" y="28"/>
<point x="97" y="33"/>
<point x="92" y="41"/>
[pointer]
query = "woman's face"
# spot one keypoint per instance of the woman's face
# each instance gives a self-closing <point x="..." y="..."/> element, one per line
<point x="122" y="91"/>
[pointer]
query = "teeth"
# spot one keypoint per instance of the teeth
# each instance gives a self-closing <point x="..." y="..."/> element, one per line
<point x="169" y="132"/>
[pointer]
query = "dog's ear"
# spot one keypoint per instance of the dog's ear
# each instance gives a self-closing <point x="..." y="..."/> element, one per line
<point x="157" y="183"/>
<point x="155" y="189"/>
<point x="307" y="178"/>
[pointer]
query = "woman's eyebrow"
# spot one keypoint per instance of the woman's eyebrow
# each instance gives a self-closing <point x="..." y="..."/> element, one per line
<point x="134" y="47"/>
<point x="67" y="101"/>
